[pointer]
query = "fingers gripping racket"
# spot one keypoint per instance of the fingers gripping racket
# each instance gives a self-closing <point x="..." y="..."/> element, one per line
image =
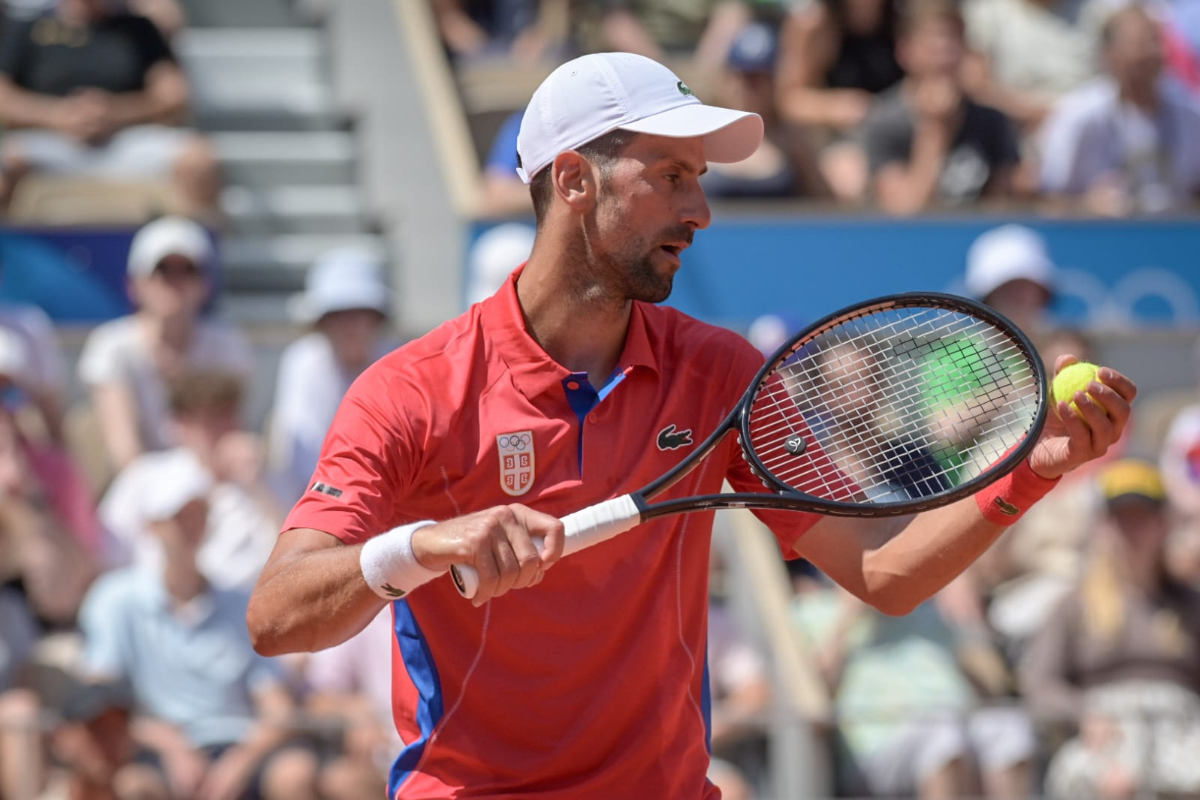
<point x="889" y="407"/>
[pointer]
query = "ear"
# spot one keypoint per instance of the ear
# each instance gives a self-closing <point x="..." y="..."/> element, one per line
<point x="575" y="181"/>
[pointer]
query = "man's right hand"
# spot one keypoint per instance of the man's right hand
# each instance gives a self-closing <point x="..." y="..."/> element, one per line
<point x="498" y="543"/>
<point x="84" y="116"/>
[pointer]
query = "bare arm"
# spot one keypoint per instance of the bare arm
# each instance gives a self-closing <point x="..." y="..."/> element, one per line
<point x="907" y="188"/>
<point x="24" y="109"/>
<point x="895" y="565"/>
<point x="118" y="423"/>
<point x="312" y="594"/>
<point x="808" y="46"/>
<point x="624" y="32"/>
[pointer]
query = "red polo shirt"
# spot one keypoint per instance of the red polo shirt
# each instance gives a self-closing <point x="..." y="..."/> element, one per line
<point x="592" y="684"/>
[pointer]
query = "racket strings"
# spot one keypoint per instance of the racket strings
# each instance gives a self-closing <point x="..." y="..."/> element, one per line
<point x="894" y="404"/>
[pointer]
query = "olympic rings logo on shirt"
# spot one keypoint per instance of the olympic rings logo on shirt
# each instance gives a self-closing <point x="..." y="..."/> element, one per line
<point x="517" y="441"/>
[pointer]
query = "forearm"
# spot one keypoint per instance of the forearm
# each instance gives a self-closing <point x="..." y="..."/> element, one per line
<point x="310" y="600"/>
<point x="911" y="188"/>
<point x="925" y="555"/>
<point x="22" y="109"/>
<point x="146" y="108"/>
<point x="809" y="105"/>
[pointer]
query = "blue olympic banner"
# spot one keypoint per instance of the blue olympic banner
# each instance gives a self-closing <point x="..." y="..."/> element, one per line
<point x="1139" y="273"/>
<point x="77" y="276"/>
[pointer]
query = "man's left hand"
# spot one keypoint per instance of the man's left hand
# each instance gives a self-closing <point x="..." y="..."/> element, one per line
<point x="1068" y="440"/>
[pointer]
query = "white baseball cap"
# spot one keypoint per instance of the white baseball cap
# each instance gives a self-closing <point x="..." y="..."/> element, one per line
<point x="1008" y="253"/>
<point x="494" y="256"/>
<point x="594" y="94"/>
<point x="176" y="478"/>
<point x="169" y="236"/>
<point x="344" y="279"/>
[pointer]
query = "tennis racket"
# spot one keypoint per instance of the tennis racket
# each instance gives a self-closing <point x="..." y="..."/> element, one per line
<point x="892" y="406"/>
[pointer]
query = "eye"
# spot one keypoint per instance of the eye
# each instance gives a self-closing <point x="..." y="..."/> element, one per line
<point x="673" y="177"/>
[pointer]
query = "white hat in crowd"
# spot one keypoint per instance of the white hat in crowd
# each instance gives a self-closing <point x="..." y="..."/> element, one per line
<point x="14" y="356"/>
<point x="493" y="257"/>
<point x="169" y="236"/>
<point x="344" y="279"/>
<point x="595" y="94"/>
<point x="178" y="478"/>
<point x="1004" y="254"/>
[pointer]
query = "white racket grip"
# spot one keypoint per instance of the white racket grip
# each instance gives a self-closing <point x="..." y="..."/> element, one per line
<point x="581" y="530"/>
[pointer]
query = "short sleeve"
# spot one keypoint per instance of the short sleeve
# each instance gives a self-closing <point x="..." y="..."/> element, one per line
<point x="101" y="618"/>
<point x="151" y="45"/>
<point x="1068" y="145"/>
<point x="370" y="456"/>
<point x="101" y="360"/>
<point x="49" y="363"/>
<point x="14" y="45"/>
<point x="787" y="526"/>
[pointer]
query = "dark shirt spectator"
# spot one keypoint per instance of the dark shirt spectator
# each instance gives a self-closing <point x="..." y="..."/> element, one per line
<point x="1125" y="143"/>
<point x="927" y="143"/>
<point x="93" y="92"/>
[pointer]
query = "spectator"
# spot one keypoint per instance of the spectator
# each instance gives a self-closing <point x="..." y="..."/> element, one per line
<point x="1124" y="144"/>
<point x="96" y="751"/>
<point x="698" y="30"/>
<point x="1026" y="54"/>
<point x="1122" y="656"/>
<point x="1009" y="269"/>
<point x="740" y="699"/>
<point x="783" y="165"/>
<point x="927" y="143"/>
<point x="352" y="684"/>
<point x="49" y="535"/>
<point x="504" y="194"/>
<point x="1180" y="461"/>
<point x="18" y="705"/>
<point x="346" y="303"/>
<point x="835" y="57"/>
<point x="493" y="257"/>
<point x="908" y="713"/>
<point x="216" y="714"/>
<point x="243" y="515"/>
<point x="126" y="363"/>
<point x="42" y="384"/>
<point x="95" y="91"/>
<point x="524" y="30"/>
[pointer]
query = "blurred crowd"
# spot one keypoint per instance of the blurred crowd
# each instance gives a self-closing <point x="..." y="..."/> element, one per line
<point x="132" y="525"/>
<point x="1071" y="106"/>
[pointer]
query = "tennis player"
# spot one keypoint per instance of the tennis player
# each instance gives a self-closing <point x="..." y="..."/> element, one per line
<point x="585" y="678"/>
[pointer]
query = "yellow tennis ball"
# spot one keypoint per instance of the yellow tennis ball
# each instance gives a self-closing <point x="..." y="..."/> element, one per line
<point x="1072" y="379"/>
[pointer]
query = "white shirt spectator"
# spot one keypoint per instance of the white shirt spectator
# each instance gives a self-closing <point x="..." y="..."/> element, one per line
<point x="117" y="352"/>
<point x="45" y="368"/>
<point x="733" y="660"/>
<point x="1032" y="46"/>
<point x="308" y="390"/>
<point x="1093" y="135"/>
<point x="239" y="537"/>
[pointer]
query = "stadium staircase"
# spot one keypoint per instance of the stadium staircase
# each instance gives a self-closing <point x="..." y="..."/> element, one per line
<point x="263" y="91"/>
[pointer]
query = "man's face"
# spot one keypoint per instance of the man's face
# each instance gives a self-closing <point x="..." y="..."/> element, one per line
<point x="650" y="205"/>
<point x="933" y="48"/>
<point x="1135" y="53"/>
<point x="353" y="334"/>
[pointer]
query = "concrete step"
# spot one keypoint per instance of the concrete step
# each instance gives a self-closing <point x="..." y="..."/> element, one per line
<point x="296" y="209"/>
<point x="244" y="13"/>
<point x="261" y="159"/>
<point x="280" y="263"/>
<point x="276" y="69"/>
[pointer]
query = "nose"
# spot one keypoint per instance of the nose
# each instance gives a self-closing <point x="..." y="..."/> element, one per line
<point x="696" y="213"/>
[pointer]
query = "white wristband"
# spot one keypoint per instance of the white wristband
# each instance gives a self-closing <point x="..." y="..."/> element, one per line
<point x="389" y="566"/>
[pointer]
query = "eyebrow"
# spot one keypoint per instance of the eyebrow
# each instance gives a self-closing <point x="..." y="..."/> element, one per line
<point x="686" y="167"/>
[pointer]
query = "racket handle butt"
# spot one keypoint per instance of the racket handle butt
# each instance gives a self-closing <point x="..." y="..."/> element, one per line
<point x="581" y="530"/>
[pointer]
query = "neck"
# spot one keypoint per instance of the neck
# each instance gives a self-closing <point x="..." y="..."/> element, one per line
<point x="174" y="331"/>
<point x="183" y="581"/>
<point x="1142" y="96"/>
<point x="587" y="332"/>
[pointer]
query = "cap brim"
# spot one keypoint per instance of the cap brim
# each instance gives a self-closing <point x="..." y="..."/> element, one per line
<point x="729" y="135"/>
